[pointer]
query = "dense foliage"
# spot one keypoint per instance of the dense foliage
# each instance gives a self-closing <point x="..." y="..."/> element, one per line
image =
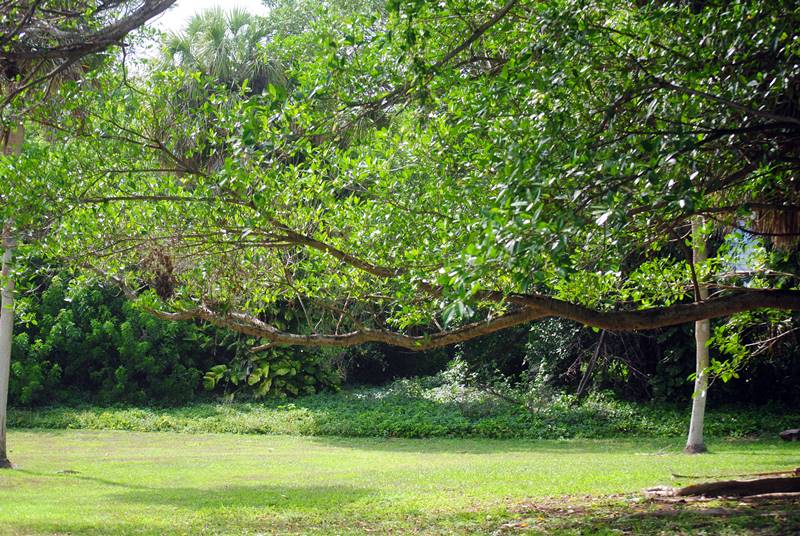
<point x="82" y="342"/>
<point x="401" y="179"/>
<point x="435" y="407"/>
<point x="555" y="355"/>
<point x="420" y="174"/>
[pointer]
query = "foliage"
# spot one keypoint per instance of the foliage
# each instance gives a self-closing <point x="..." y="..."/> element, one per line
<point x="47" y="41"/>
<point x="399" y="182"/>
<point x="553" y="355"/>
<point x="279" y="372"/>
<point x="228" y="46"/>
<point x="432" y="407"/>
<point x="83" y="342"/>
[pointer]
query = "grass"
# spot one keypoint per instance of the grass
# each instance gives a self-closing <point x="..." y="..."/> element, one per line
<point x="117" y="482"/>
<point x="410" y="409"/>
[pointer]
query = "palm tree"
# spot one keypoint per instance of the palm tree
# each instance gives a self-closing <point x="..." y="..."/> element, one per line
<point x="226" y="46"/>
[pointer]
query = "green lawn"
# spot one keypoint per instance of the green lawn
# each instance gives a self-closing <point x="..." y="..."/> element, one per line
<point x="112" y="482"/>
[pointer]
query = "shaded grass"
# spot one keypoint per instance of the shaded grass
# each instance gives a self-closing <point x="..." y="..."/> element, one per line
<point x="407" y="410"/>
<point x="112" y="482"/>
<point x="631" y="515"/>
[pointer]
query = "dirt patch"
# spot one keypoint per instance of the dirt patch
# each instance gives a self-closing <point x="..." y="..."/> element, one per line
<point x="635" y="514"/>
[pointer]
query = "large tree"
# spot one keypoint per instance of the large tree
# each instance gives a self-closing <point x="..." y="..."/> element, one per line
<point x="43" y="43"/>
<point x="433" y="172"/>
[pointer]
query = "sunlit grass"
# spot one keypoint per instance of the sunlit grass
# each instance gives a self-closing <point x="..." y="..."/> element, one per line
<point x="111" y="482"/>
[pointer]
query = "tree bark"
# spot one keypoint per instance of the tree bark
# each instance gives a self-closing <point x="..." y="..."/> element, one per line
<point x="652" y="318"/>
<point x="6" y="335"/>
<point x="742" y="488"/>
<point x="12" y="140"/>
<point x="695" y="443"/>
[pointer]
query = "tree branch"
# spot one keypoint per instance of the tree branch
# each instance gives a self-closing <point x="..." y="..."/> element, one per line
<point x="536" y="308"/>
<point x="77" y="45"/>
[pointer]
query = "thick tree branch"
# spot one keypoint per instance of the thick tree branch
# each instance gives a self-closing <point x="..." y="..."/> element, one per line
<point x="661" y="317"/>
<point x="79" y="44"/>
<point x="536" y="307"/>
<point x="252" y="326"/>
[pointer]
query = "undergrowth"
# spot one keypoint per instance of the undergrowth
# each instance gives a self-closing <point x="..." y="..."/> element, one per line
<point x="425" y="407"/>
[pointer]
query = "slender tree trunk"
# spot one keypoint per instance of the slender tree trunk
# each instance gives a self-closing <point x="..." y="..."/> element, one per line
<point x="584" y="383"/>
<point x="12" y="140"/>
<point x="695" y="443"/>
<point x="6" y="335"/>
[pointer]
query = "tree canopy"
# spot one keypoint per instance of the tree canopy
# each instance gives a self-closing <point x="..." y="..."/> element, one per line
<point x="431" y="172"/>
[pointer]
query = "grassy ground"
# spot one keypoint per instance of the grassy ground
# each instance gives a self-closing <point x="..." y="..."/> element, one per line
<point x="113" y="482"/>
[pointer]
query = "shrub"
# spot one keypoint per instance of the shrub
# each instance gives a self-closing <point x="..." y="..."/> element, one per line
<point x="84" y="343"/>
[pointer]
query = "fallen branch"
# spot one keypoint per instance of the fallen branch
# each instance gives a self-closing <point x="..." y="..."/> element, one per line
<point x="741" y="488"/>
<point x="794" y="472"/>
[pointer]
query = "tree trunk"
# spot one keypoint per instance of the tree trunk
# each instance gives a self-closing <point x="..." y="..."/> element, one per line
<point x="6" y="334"/>
<point x="695" y="444"/>
<point x="742" y="488"/>
<point x="590" y="368"/>
<point x="12" y="140"/>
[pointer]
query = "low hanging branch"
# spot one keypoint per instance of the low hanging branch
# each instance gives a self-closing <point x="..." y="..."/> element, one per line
<point x="525" y="308"/>
<point x="252" y="326"/>
<point x="533" y="308"/>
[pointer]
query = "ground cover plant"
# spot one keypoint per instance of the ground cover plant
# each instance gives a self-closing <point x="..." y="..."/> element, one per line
<point x="102" y="482"/>
<point x="417" y="409"/>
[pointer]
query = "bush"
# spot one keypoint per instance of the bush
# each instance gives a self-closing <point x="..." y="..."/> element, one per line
<point x="84" y="343"/>
<point x="278" y="371"/>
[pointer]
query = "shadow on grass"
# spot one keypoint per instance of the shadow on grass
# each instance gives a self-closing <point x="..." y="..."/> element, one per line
<point x="289" y="498"/>
<point x="55" y="477"/>
<point x="266" y="496"/>
<point x="227" y="521"/>
<point x="776" y="516"/>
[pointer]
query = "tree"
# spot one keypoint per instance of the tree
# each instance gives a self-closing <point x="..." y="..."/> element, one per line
<point x="440" y="171"/>
<point x="42" y="43"/>
<point x="702" y="328"/>
<point x="42" y="39"/>
<point x="218" y="49"/>
<point x="227" y="46"/>
<point x="6" y="332"/>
